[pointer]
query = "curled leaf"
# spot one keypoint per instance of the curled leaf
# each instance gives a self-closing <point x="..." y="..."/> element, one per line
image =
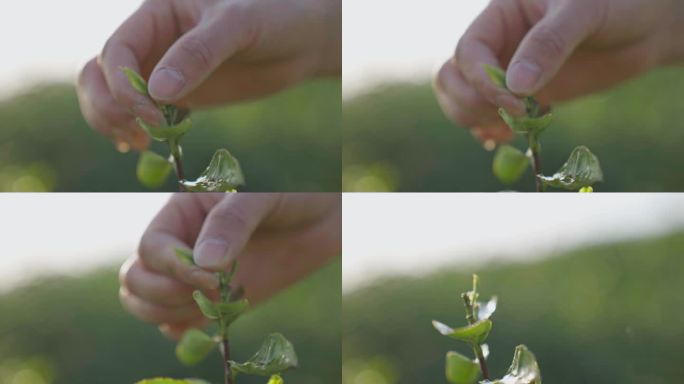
<point x="206" y="306"/>
<point x="231" y="311"/>
<point x="523" y="370"/>
<point x="152" y="169"/>
<point x="509" y="164"/>
<point x="185" y="255"/>
<point x="166" y="132"/>
<point x="526" y="124"/>
<point x="581" y="170"/>
<point x="475" y="333"/>
<point x="222" y="175"/>
<point x="496" y="75"/>
<point x="136" y="81"/>
<point x="194" y="347"/>
<point x="275" y="356"/>
<point x="460" y="369"/>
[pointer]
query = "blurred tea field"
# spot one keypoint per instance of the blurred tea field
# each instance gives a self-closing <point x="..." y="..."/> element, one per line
<point x="395" y="138"/>
<point x="287" y="142"/>
<point x="66" y="330"/>
<point x="609" y="313"/>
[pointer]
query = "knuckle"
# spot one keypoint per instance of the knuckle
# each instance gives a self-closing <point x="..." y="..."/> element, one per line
<point x="197" y="51"/>
<point x="230" y="217"/>
<point x="549" y="42"/>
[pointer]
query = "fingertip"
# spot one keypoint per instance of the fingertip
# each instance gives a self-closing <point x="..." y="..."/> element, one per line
<point x="166" y="84"/>
<point x="212" y="254"/>
<point x="203" y="279"/>
<point x="523" y="77"/>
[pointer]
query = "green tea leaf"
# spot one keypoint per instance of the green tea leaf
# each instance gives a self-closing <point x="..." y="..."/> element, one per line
<point x="185" y="255"/>
<point x="475" y="333"/>
<point x="275" y="356"/>
<point x="222" y="175"/>
<point x="231" y="311"/>
<point x="194" y="347"/>
<point x="166" y="132"/>
<point x="496" y="75"/>
<point x="509" y="164"/>
<point x="527" y="124"/>
<point x="581" y="170"/>
<point x="165" y="380"/>
<point x="460" y="369"/>
<point x="206" y="306"/>
<point x="523" y="370"/>
<point x="136" y="81"/>
<point x="276" y="379"/>
<point x="152" y="169"/>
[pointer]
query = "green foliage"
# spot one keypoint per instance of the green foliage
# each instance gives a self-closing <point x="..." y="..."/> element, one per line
<point x="523" y="370"/>
<point x="509" y="164"/>
<point x="460" y="369"/>
<point x="275" y="356"/>
<point x="582" y="170"/>
<point x="165" y="380"/>
<point x="153" y="169"/>
<point x="475" y="333"/>
<point x="136" y="81"/>
<point x="223" y="174"/>
<point x="597" y="314"/>
<point x="194" y="347"/>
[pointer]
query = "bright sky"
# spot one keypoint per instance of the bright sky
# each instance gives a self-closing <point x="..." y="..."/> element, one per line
<point x="408" y="40"/>
<point x="386" y="234"/>
<point x="69" y="233"/>
<point x="46" y="40"/>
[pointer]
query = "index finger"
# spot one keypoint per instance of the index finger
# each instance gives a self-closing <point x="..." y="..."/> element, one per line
<point x="137" y="44"/>
<point x="485" y="42"/>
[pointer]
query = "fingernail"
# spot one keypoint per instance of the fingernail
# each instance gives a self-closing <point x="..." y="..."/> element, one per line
<point x="148" y="113"/>
<point x="166" y="84"/>
<point x="511" y="104"/>
<point x="212" y="254"/>
<point x="522" y="77"/>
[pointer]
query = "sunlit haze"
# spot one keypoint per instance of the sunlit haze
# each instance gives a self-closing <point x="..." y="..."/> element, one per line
<point x="386" y="234"/>
<point x="69" y="233"/>
<point x="52" y="40"/>
<point x="386" y="40"/>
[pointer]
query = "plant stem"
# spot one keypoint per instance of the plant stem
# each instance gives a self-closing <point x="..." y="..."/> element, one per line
<point x="535" y="154"/>
<point x="177" y="155"/>
<point x="228" y="374"/>
<point x="477" y="349"/>
<point x="224" y="289"/>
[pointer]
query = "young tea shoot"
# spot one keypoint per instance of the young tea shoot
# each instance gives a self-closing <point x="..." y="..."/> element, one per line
<point x="275" y="356"/>
<point x="579" y="173"/>
<point x="461" y="369"/>
<point x="223" y="173"/>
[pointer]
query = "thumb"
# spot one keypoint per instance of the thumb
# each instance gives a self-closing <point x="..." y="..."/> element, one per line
<point x="228" y="228"/>
<point x="548" y="45"/>
<point x="196" y="54"/>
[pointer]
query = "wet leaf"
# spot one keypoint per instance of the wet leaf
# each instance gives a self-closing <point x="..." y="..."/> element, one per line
<point x="509" y="164"/>
<point x="185" y="255"/>
<point x="152" y="169"/>
<point x="496" y="75"/>
<point x="206" y="306"/>
<point x="222" y="175"/>
<point x="523" y="370"/>
<point x="275" y="356"/>
<point x="475" y="333"/>
<point x="136" y="81"/>
<point x="460" y="369"/>
<point x="166" y="132"/>
<point x="194" y="347"/>
<point x="581" y="170"/>
<point x="526" y="124"/>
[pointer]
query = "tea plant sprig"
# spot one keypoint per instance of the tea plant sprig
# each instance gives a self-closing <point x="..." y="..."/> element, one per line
<point x="275" y="356"/>
<point x="579" y="173"/>
<point x="464" y="370"/>
<point x="223" y="173"/>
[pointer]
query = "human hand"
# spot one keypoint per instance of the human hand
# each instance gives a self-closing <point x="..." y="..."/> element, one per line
<point x="555" y="49"/>
<point x="278" y="239"/>
<point x="204" y="52"/>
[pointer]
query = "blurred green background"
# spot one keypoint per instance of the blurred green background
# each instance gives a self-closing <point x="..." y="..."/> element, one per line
<point x="396" y="139"/>
<point x="607" y="313"/>
<point x="67" y="330"/>
<point x="288" y="142"/>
